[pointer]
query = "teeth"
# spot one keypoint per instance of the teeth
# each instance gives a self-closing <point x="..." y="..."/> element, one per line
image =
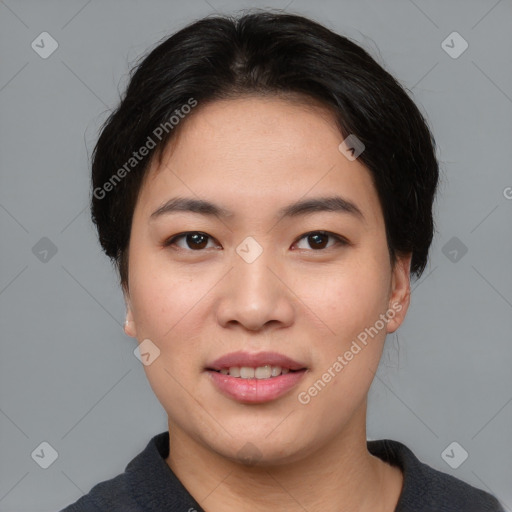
<point x="234" y="371"/>
<point x="276" y="370"/>
<point x="246" y="372"/>
<point x="261" y="372"/>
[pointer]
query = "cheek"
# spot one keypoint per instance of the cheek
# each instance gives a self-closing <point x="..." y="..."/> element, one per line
<point x="165" y="310"/>
<point x="348" y="300"/>
<point x="156" y="289"/>
<point x="349" y="303"/>
<point x="163" y="300"/>
<point x="347" y="356"/>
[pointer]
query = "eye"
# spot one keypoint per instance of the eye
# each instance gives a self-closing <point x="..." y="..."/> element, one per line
<point x="317" y="239"/>
<point x="195" y="240"/>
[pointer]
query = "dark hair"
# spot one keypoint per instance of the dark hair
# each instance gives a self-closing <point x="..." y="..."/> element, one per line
<point x="221" y="57"/>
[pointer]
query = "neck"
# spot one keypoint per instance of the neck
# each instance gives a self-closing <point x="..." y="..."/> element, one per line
<point x="339" y="476"/>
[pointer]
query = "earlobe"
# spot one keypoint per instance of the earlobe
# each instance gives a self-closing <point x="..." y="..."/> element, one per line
<point x="400" y="292"/>
<point x="129" y="323"/>
<point x="129" y="327"/>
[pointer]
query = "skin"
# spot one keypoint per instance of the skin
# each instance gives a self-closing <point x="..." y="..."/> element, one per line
<point x="255" y="155"/>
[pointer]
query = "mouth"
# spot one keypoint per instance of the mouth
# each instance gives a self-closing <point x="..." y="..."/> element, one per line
<point x="260" y="365"/>
<point x="260" y="372"/>
<point x="255" y="378"/>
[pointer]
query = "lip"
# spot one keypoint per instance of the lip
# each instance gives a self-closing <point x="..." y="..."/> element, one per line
<point x="255" y="391"/>
<point x="242" y="358"/>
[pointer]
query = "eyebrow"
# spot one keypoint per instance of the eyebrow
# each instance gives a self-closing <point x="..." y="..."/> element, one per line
<point x="304" y="207"/>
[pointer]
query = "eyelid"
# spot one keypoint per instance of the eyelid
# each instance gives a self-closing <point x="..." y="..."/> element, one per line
<point x="339" y="240"/>
<point x="171" y="240"/>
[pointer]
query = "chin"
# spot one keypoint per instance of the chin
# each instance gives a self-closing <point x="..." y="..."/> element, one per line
<point x="260" y="450"/>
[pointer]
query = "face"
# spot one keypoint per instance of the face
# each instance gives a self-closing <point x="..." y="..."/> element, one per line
<point x="312" y="285"/>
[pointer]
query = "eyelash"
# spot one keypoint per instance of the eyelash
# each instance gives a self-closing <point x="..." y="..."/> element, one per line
<point x="339" y="240"/>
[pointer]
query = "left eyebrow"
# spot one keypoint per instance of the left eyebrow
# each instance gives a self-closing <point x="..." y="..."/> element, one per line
<point x="335" y="204"/>
<point x="304" y="207"/>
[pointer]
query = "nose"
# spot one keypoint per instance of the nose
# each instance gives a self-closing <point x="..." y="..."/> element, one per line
<point x="255" y="295"/>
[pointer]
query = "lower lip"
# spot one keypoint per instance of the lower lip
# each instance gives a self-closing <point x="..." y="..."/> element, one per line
<point x="254" y="391"/>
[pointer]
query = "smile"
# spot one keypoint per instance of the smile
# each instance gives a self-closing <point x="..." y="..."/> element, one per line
<point x="255" y="390"/>
<point x="261" y="372"/>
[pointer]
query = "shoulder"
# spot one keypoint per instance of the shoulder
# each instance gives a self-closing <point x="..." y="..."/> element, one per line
<point x="111" y="495"/>
<point x="129" y="491"/>
<point x="426" y="489"/>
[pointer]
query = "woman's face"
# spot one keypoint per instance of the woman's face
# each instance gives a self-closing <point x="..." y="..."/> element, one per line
<point x="252" y="279"/>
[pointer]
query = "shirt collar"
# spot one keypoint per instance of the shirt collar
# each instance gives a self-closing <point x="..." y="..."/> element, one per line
<point x="154" y="486"/>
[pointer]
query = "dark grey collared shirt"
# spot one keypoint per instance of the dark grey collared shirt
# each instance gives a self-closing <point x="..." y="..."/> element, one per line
<point x="149" y="485"/>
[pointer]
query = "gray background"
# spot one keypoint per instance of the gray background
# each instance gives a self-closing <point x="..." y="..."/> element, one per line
<point x="67" y="372"/>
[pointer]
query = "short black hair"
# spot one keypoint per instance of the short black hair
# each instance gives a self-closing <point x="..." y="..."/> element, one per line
<point x="268" y="53"/>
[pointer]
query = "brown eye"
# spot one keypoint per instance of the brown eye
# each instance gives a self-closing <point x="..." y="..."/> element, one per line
<point x="317" y="240"/>
<point x="194" y="240"/>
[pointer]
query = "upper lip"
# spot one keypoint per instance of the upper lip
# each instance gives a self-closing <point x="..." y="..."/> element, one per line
<point x="242" y="358"/>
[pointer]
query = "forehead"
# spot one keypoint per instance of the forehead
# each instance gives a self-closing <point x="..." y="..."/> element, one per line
<point x="248" y="122"/>
<point x="258" y="150"/>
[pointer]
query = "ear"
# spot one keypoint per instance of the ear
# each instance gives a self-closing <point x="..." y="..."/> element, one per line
<point x="129" y="324"/>
<point x="400" y="292"/>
